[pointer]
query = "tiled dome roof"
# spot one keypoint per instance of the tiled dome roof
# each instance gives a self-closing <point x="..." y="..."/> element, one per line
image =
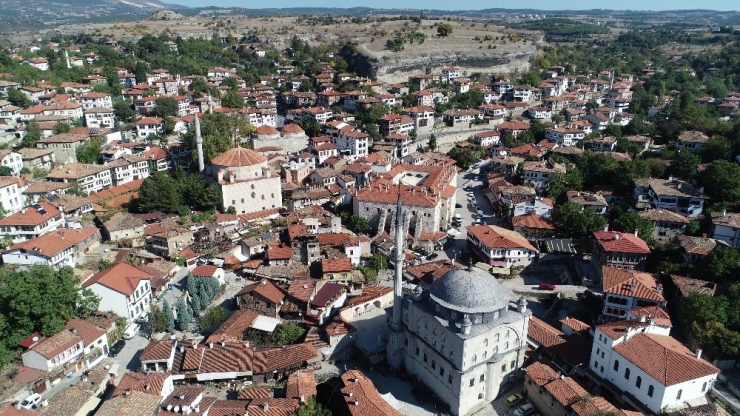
<point x="238" y="156"/>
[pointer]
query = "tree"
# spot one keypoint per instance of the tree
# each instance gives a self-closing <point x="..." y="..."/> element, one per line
<point x="232" y="99"/>
<point x="721" y="181"/>
<point x="90" y="152"/>
<point x="159" y="193"/>
<point x="184" y="315"/>
<point x="165" y="107"/>
<point x="358" y="224"/>
<point x="169" y="315"/>
<point x="721" y="263"/>
<point x="89" y="303"/>
<point x="6" y="171"/>
<point x="716" y="148"/>
<point x="463" y="156"/>
<point x="560" y="183"/>
<point x="157" y="319"/>
<point x="311" y="408"/>
<point x="444" y="29"/>
<point x="61" y="128"/>
<point x="36" y="299"/>
<point x="432" y="144"/>
<point x="288" y="333"/>
<point x="531" y="78"/>
<point x="378" y="261"/>
<point x="220" y="131"/>
<point x="570" y="220"/>
<point x="123" y="111"/>
<point x="716" y="339"/>
<point x="229" y="82"/>
<point x="701" y="308"/>
<point x="33" y="134"/>
<point x="213" y="315"/>
<point x="140" y="72"/>
<point x="631" y="221"/>
<point x="18" y="98"/>
<point x="684" y="166"/>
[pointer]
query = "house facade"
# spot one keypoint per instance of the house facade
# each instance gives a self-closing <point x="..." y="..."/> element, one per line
<point x="500" y="247"/>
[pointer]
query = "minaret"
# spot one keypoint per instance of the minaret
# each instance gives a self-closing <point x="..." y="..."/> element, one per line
<point x="199" y="144"/>
<point x="66" y="55"/>
<point x="394" y="349"/>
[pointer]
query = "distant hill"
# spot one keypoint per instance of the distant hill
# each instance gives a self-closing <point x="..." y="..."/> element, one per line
<point x="33" y="14"/>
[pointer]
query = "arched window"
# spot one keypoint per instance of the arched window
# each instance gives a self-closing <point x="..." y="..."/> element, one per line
<point x="253" y="195"/>
<point x="638" y="382"/>
<point x="506" y="346"/>
<point x="475" y="358"/>
<point x="650" y="390"/>
<point x="496" y="338"/>
<point x="480" y="396"/>
<point x="616" y="365"/>
<point x="485" y="342"/>
<point x="495" y="349"/>
<point x="627" y="373"/>
<point x="252" y="186"/>
<point x="678" y="395"/>
<point x="484" y="355"/>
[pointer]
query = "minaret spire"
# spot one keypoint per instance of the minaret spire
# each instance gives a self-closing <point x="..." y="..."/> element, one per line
<point x="399" y="257"/>
<point x="199" y="144"/>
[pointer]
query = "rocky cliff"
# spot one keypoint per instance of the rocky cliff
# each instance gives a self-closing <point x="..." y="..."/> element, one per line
<point x="392" y="68"/>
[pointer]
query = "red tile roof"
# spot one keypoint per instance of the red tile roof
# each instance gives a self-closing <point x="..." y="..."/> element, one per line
<point x="664" y="358"/>
<point x="362" y="398"/>
<point x="51" y="244"/>
<point x="238" y="156"/>
<point x="30" y="216"/>
<point x="233" y="328"/>
<point x="533" y="221"/>
<point x="617" y="242"/>
<point x="630" y="283"/>
<point x="493" y="236"/>
<point x="544" y="334"/>
<point x="266" y="289"/>
<point x="343" y="264"/>
<point x="157" y="351"/>
<point x="205" y="270"/>
<point x="121" y="277"/>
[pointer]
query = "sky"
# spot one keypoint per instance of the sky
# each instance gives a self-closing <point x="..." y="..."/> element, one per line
<point x="475" y="4"/>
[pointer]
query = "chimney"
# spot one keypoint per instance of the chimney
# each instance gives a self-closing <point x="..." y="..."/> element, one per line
<point x="349" y="394"/>
<point x="632" y="287"/>
<point x="635" y="232"/>
<point x="210" y="345"/>
<point x="642" y="318"/>
<point x="606" y="228"/>
<point x="724" y="212"/>
<point x="698" y="353"/>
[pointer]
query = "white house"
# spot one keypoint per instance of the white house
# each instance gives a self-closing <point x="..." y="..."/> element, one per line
<point x="41" y="64"/>
<point x="625" y="353"/>
<point x="80" y="342"/>
<point x="12" y="160"/>
<point x="487" y="138"/>
<point x="10" y="197"/>
<point x="100" y="117"/>
<point x="500" y="247"/>
<point x="149" y="125"/>
<point x="352" y="143"/>
<point x="626" y="289"/>
<point x="124" y="289"/>
<point x="726" y="227"/>
<point x="539" y="173"/>
<point x="64" y="247"/>
<point x="95" y="99"/>
<point x="565" y="136"/>
<point x="32" y="222"/>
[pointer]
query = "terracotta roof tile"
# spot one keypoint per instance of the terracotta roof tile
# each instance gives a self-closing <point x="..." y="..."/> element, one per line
<point x="630" y="283"/>
<point x="699" y="245"/>
<point x="362" y="398"/>
<point x="575" y="324"/>
<point x="493" y="236"/>
<point x="687" y="285"/>
<point x="301" y="385"/>
<point x="664" y="358"/>
<point x="157" y="351"/>
<point x="656" y="313"/>
<point x="544" y="334"/>
<point x="238" y="156"/>
<point x="266" y="289"/>
<point x="343" y="264"/>
<point x="121" y="277"/>
<point x="533" y="221"/>
<point x="616" y="242"/>
<point x="30" y="216"/>
<point x="663" y="215"/>
<point x="49" y="245"/>
<point x="233" y="328"/>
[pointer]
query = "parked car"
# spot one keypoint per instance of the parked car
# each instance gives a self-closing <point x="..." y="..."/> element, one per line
<point x="131" y="331"/>
<point x="116" y="348"/>
<point x="142" y="319"/>
<point x="458" y="205"/>
<point x="546" y="286"/>
<point x="524" y="410"/>
<point x="432" y="256"/>
<point x="514" y="399"/>
<point x="31" y="402"/>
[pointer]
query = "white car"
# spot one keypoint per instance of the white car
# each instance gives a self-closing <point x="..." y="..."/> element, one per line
<point x="524" y="410"/>
<point x="31" y="402"/>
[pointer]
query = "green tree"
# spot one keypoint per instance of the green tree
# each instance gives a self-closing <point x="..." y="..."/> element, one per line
<point x="444" y="29"/>
<point x="721" y="181"/>
<point x="232" y="99"/>
<point x="33" y="134"/>
<point x="184" y="315"/>
<point x="159" y="193"/>
<point x="684" y="166"/>
<point x="157" y="319"/>
<point x="358" y="224"/>
<point x="716" y="148"/>
<point x="6" y="171"/>
<point x="288" y="333"/>
<point x="570" y="220"/>
<point x="229" y="82"/>
<point x="716" y="339"/>
<point x="560" y="183"/>
<point x="531" y="78"/>
<point x="311" y="408"/>
<point x="140" y="72"/>
<point x="310" y="126"/>
<point x="432" y="144"/>
<point x="464" y="157"/>
<point x="18" y="98"/>
<point x="199" y="87"/>
<point x="631" y="221"/>
<point x="89" y="303"/>
<point x="220" y="131"/>
<point x="90" y="152"/>
<point x="165" y="107"/>
<point x="61" y="127"/>
<point x="378" y="261"/>
<point x="123" y="111"/>
<point x="213" y="315"/>
<point x="721" y="263"/>
<point x="169" y="315"/>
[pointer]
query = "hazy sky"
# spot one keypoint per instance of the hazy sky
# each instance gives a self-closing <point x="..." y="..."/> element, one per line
<point x="476" y="4"/>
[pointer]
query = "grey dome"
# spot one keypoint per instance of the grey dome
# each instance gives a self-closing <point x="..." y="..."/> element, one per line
<point x="470" y="291"/>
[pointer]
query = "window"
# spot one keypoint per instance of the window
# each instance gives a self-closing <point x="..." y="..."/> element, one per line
<point x="484" y="355"/>
<point x="627" y="373"/>
<point x="441" y="371"/>
<point x="650" y="391"/>
<point x="704" y="387"/>
<point x="485" y="342"/>
<point x="425" y="357"/>
<point x="480" y="396"/>
<point x="449" y="379"/>
<point x="596" y="363"/>
<point x="434" y="365"/>
<point x="638" y="382"/>
<point x="496" y="338"/>
<point x="472" y="382"/>
<point x="482" y="377"/>
<point x="506" y="346"/>
<point x="503" y="368"/>
<point x="597" y="351"/>
<point x="678" y="395"/>
<point x="453" y="316"/>
<point x="475" y="358"/>
<point x="417" y="351"/>
<point x="616" y="365"/>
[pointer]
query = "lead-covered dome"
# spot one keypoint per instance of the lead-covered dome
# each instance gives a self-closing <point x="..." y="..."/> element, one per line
<point x="469" y="290"/>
